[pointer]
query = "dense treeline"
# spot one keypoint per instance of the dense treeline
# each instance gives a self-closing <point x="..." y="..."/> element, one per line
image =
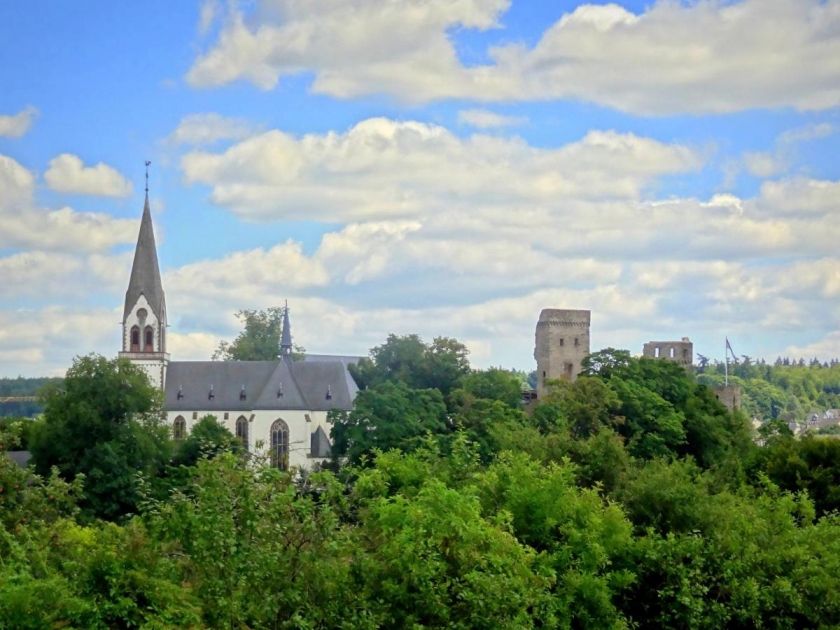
<point x="629" y="498"/>
<point x="786" y="390"/>
<point x="21" y="386"/>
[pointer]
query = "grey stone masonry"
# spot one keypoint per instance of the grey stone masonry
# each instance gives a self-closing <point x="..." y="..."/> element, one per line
<point x="561" y="345"/>
<point x="729" y="396"/>
<point x="681" y="352"/>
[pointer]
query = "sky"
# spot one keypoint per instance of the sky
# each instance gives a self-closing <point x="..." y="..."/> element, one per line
<point x="440" y="167"/>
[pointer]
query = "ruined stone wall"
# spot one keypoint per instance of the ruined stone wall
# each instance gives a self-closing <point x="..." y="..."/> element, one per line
<point x="681" y="352"/>
<point x="730" y="396"/>
<point x="561" y="344"/>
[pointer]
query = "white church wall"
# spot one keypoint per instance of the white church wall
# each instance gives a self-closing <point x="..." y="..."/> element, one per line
<point x="301" y="426"/>
<point x="155" y="369"/>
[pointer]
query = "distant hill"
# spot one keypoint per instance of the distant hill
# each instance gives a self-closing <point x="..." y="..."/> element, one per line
<point x="788" y="390"/>
<point x="22" y="387"/>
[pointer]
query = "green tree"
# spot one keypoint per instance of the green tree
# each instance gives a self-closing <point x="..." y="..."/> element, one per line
<point x="22" y="428"/>
<point x="432" y="560"/>
<point x="587" y="404"/>
<point x="207" y="438"/>
<point x="440" y="365"/>
<point x="585" y="542"/>
<point x="103" y="422"/>
<point x="494" y="384"/>
<point x="811" y="464"/>
<point x="386" y="416"/>
<point x="260" y="339"/>
<point x="663" y="411"/>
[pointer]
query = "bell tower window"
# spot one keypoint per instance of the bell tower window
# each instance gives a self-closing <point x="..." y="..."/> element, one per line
<point x="135" y="339"/>
<point x="149" y="339"/>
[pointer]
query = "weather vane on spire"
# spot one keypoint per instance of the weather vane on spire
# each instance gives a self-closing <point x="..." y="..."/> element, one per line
<point x="148" y="164"/>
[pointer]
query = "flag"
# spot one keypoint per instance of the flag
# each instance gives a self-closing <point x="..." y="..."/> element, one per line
<point x="729" y="347"/>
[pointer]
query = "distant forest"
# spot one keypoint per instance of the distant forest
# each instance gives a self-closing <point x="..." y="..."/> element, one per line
<point x="21" y="386"/>
<point x="788" y="389"/>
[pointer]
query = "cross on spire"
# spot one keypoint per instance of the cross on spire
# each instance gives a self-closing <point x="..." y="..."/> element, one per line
<point x="148" y="164"/>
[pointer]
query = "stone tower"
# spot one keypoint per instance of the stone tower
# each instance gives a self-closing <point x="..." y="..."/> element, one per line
<point x="144" y="314"/>
<point x="562" y="342"/>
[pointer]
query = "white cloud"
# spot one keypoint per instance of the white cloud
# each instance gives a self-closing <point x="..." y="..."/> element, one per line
<point x="807" y="133"/>
<point x="825" y="349"/>
<point x="248" y="275"/>
<point x="194" y="346"/>
<point x="485" y="119"/>
<point x="349" y="43"/>
<point x="68" y="174"/>
<point x="53" y="274"/>
<point x="204" y="129"/>
<point x="207" y="15"/>
<point x="44" y="341"/>
<point x="802" y="196"/>
<point x="763" y="165"/>
<point x="383" y="169"/>
<point x="16" y="125"/>
<point x="25" y="226"/>
<point x="17" y="184"/>
<point x="435" y="227"/>
<point x="415" y="194"/>
<point x="674" y="57"/>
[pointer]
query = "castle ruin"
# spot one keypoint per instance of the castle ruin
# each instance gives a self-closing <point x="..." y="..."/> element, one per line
<point x="680" y="352"/>
<point x="561" y="345"/>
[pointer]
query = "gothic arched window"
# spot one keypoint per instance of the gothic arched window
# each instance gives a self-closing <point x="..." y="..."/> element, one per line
<point x="280" y="445"/>
<point x="179" y="428"/>
<point x="148" y="342"/>
<point x="135" y="339"/>
<point x="242" y="431"/>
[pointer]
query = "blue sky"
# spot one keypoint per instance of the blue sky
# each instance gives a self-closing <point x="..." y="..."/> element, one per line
<point x="446" y="167"/>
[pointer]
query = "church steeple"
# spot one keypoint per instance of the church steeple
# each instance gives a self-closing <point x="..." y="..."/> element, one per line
<point x="144" y="313"/>
<point x="145" y="273"/>
<point x="286" y="335"/>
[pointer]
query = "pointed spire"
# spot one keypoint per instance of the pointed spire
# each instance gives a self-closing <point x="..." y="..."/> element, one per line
<point x="286" y="336"/>
<point x="145" y="273"/>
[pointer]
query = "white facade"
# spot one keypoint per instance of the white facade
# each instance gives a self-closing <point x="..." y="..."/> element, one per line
<point x="144" y="341"/>
<point x="301" y="425"/>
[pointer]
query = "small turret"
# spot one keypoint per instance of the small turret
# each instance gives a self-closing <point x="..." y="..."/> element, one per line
<point x="286" y="335"/>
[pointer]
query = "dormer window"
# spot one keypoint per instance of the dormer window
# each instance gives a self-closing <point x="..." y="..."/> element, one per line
<point x="242" y="394"/>
<point x="280" y="390"/>
<point x="180" y="392"/>
<point x="211" y="394"/>
<point x="329" y="392"/>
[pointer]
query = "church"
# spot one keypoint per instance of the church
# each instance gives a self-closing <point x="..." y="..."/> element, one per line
<point x="276" y="408"/>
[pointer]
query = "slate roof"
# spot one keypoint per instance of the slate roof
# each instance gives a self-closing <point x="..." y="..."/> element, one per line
<point x="345" y="360"/>
<point x="145" y="273"/>
<point x="21" y="458"/>
<point x="313" y="385"/>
